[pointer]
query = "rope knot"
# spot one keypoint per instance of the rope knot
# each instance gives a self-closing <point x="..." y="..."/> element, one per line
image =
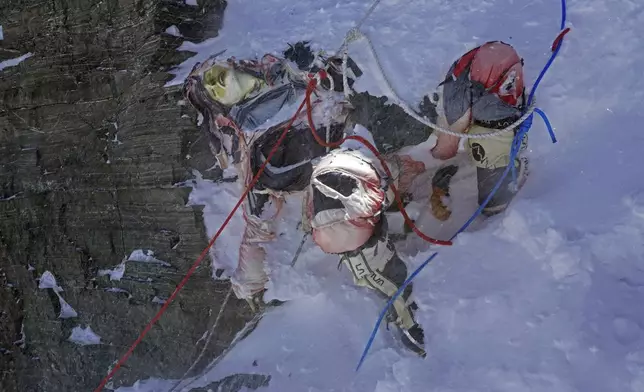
<point x="317" y="78"/>
<point x="353" y="35"/>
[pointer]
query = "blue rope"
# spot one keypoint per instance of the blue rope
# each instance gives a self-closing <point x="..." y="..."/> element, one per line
<point x="514" y="150"/>
<point x="548" y="125"/>
<point x="383" y="312"/>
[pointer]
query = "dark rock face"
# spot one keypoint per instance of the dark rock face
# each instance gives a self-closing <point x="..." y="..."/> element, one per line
<point x="236" y="383"/>
<point x="93" y="151"/>
<point x="91" y="146"/>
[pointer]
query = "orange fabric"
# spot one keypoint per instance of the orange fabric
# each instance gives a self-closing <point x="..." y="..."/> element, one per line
<point x="409" y="169"/>
<point x="438" y="208"/>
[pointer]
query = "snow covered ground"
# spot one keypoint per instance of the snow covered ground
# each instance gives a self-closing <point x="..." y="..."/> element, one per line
<point x="546" y="297"/>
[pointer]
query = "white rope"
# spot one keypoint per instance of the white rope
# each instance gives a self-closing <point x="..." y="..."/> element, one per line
<point x="355" y="34"/>
<point x="249" y="327"/>
<point x="356" y="30"/>
<point x="345" y="78"/>
<point x="210" y="334"/>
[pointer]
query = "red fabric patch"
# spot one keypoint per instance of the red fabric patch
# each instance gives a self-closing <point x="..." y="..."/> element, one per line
<point x="495" y="65"/>
<point x="464" y="62"/>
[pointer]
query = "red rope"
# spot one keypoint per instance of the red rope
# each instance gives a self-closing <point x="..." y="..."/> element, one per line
<point x="373" y="149"/>
<point x="309" y="90"/>
<point x="559" y="37"/>
<point x="307" y="100"/>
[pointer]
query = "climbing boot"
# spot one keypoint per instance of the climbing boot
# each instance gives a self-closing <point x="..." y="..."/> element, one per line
<point x="414" y="339"/>
<point x="506" y="191"/>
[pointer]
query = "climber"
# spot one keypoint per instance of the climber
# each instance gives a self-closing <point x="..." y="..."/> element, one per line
<point x="245" y="106"/>
<point x="482" y="92"/>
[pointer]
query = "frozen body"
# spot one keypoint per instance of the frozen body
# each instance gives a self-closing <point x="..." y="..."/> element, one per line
<point x="248" y="104"/>
<point x="545" y="296"/>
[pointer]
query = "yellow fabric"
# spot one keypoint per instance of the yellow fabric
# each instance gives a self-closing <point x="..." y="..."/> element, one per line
<point x="491" y="153"/>
<point x="228" y="86"/>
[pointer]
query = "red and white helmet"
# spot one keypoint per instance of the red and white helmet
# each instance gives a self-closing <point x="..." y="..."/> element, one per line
<point x="346" y="199"/>
<point x="498" y="67"/>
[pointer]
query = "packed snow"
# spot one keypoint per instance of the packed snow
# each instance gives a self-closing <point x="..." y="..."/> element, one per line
<point x="546" y="296"/>
<point x="174" y="31"/>
<point x="146" y="256"/>
<point x="115" y="273"/>
<point x="66" y="310"/>
<point x="48" y="281"/>
<point x="84" y="336"/>
<point x="137" y="256"/>
<point x="15" y="61"/>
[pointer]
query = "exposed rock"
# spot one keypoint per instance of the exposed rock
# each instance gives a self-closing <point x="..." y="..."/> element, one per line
<point x="92" y="152"/>
<point x="235" y="383"/>
<point x="91" y="145"/>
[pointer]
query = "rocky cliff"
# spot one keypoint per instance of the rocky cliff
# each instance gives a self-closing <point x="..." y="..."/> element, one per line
<point x="93" y="152"/>
<point x="91" y="148"/>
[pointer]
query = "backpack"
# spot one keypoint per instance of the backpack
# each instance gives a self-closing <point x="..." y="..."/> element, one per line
<point x="489" y="80"/>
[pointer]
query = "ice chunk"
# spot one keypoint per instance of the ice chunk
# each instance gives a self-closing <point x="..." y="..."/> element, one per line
<point x="84" y="336"/>
<point x="23" y="338"/>
<point x="15" y="61"/>
<point x="115" y="273"/>
<point x="48" y="281"/>
<point x="174" y="31"/>
<point x="66" y="311"/>
<point x="146" y="256"/>
<point x="114" y="290"/>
